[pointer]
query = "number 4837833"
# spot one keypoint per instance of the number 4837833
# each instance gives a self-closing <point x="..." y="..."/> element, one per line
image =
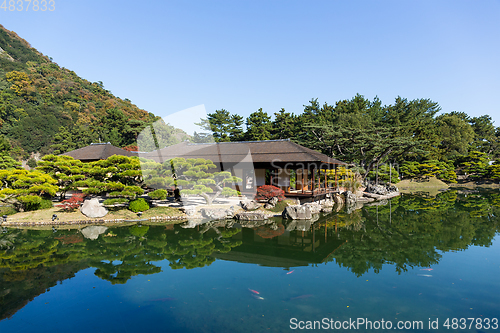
<point x="26" y="5"/>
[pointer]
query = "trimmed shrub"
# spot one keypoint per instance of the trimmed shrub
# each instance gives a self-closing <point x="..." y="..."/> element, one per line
<point x="34" y="202"/>
<point x="159" y="194"/>
<point x="110" y="202"/>
<point x="46" y="204"/>
<point x="7" y="210"/>
<point x="267" y="192"/>
<point x="138" y="205"/>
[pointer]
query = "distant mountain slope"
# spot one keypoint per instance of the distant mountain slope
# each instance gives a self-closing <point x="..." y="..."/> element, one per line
<point x="42" y="104"/>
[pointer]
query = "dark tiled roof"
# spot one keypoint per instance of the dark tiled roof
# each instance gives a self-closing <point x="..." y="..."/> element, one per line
<point x="97" y="151"/>
<point x="277" y="151"/>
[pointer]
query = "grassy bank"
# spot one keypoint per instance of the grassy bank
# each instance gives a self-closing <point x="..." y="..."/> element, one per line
<point x="45" y="215"/>
<point x="432" y="186"/>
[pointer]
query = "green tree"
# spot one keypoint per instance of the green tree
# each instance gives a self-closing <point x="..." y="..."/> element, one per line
<point x="22" y="187"/>
<point x="116" y="176"/>
<point x="259" y="126"/>
<point x="456" y="135"/>
<point x="193" y="176"/>
<point x="429" y="168"/>
<point x="220" y="123"/>
<point x="65" y="170"/>
<point x="475" y="164"/>
<point x="284" y="125"/>
<point x="62" y="142"/>
<point x="7" y="162"/>
<point x="414" y="119"/>
<point x="484" y="139"/>
<point x="236" y="130"/>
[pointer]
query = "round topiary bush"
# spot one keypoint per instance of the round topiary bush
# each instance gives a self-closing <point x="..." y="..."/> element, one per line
<point x="159" y="194"/>
<point x="138" y="205"/>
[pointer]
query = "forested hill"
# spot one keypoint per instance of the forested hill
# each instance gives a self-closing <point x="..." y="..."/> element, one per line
<point x="47" y="108"/>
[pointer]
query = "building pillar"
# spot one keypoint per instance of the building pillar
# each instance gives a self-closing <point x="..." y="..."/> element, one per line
<point x="313" y="185"/>
<point x="336" y="179"/>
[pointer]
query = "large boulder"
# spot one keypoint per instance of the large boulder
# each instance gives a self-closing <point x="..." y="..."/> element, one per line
<point x="271" y="203"/>
<point x="249" y="204"/>
<point x="251" y="216"/>
<point x="327" y="205"/>
<point x="93" y="232"/>
<point x="314" y="207"/>
<point x="297" y="212"/>
<point x="377" y="189"/>
<point x="217" y="213"/>
<point x="92" y="208"/>
<point x="338" y="199"/>
<point x="350" y="199"/>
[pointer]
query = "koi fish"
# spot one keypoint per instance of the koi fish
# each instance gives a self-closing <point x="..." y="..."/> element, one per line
<point x="257" y="297"/>
<point x="290" y="272"/>
<point x="426" y="275"/>
<point x="253" y="291"/>
<point x="426" y="269"/>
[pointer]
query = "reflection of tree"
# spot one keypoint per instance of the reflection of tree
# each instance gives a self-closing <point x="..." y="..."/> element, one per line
<point x="412" y="230"/>
<point x="33" y="260"/>
<point x="191" y="249"/>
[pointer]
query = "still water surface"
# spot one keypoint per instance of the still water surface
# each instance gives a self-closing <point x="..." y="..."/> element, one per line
<point x="415" y="259"/>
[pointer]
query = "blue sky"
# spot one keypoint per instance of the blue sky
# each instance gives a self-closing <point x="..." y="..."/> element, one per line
<point x="167" y="56"/>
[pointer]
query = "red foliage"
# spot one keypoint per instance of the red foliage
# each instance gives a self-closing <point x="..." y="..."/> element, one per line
<point x="72" y="203"/>
<point x="131" y="148"/>
<point x="70" y="239"/>
<point x="267" y="192"/>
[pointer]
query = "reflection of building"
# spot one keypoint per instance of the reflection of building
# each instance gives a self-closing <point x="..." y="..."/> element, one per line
<point x="291" y="249"/>
<point x="282" y="163"/>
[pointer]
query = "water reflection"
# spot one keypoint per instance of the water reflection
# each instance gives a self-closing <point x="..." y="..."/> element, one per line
<point x="410" y="231"/>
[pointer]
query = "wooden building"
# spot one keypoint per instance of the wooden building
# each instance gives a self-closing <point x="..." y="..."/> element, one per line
<point x="282" y="163"/>
<point x="97" y="151"/>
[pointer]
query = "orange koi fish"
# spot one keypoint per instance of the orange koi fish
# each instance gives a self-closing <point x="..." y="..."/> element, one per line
<point x="253" y="291"/>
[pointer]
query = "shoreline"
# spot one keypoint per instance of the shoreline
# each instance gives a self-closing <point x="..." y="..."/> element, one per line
<point x="90" y="221"/>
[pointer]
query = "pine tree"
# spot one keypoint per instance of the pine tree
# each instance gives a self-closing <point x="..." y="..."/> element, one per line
<point x="259" y="126"/>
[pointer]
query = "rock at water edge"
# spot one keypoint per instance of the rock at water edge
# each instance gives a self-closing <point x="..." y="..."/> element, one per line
<point x="92" y="208"/>
<point x="297" y="213"/>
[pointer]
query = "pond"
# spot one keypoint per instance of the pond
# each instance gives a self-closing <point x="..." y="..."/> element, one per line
<point x="416" y="264"/>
